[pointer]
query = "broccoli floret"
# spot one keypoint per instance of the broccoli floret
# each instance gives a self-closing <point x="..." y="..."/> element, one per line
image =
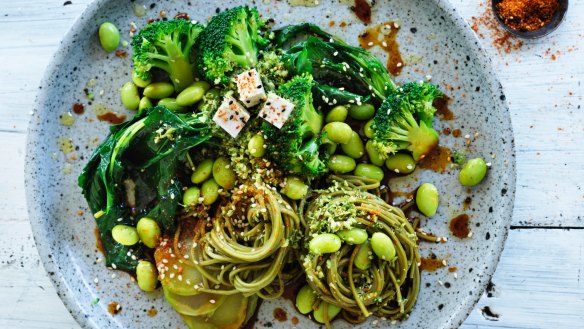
<point x="458" y="157"/>
<point x="272" y="69"/>
<point x="297" y="146"/>
<point x="231" y="40"/>
<point x="167" y="45"/>
<point x="404" y="121"/>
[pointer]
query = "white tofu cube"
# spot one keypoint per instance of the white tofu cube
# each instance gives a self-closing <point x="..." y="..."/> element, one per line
<point x="231" y="116"/>
<point x="250" y="88"/>
<point x="276" y="110"/>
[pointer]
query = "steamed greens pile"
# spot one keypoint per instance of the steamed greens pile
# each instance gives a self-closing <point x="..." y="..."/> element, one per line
<point x="143" y="168"/>
<point x="133" y="174"/>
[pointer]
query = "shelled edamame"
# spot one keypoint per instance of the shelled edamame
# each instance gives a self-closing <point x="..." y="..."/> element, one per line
<point x="126" y="235"/>
<point x="109" y="36"/>
<point x="147" y="276"/>
<point x="324" y="243"/>
<point x="130" y="96"/>
<point x="427" y="199"/>
<point x="149" y="232"/>
<point x="473" y="172"/>
<point x="305" y="299"/>
<point x="223" y="174"/>
<point x="294" y="188"/>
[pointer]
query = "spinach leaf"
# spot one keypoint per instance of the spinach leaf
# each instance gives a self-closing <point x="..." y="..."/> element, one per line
<point x="132" y="174"/>
<point x="340" y="65"/>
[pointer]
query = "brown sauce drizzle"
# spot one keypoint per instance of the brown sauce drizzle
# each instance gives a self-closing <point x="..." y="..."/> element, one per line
<point x="441" y="105"/>
<point x="398" y="194"/>
<point x="114" y="308"/>
<point x="466" y="203"/>
<point x="280" y="314"/>
<point x="152" y="312"/>
<point x="437" y="160"/>
<point x="459" y="226"/>
<point x="98" y="242"/>
<point x="182" y="15"/>
<point x="431" y="264"/>
<point x="78" y="108"/>
<point x="363" y="11"/>
<point x="385" y="36"/>
<point x="112" y="117"/>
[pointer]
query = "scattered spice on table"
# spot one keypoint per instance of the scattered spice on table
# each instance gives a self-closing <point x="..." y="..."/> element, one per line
<point x="527" y="15"/>
<point x="486" y="26"/>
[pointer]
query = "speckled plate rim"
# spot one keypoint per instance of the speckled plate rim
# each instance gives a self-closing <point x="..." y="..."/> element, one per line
<point x="39" y="219"/>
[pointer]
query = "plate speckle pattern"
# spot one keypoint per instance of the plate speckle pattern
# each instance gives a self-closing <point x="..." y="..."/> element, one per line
<point x="431" y="31"/>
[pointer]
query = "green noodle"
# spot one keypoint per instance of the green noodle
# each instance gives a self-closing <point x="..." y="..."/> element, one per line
<point x="248" y="246"/>
<point x="388" y="288"/>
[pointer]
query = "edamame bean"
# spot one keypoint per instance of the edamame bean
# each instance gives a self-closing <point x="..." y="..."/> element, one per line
<point x="338" y="132"/>
<point x="332" y="311"/>
<point x="401" y="163"/>
<point x="145" y="103"/>
<point x="361" y="112"/>
<point x="146" y="275"/>
<point x="427" y="199"/>
<point x="337" y="114"/>
<point x="324" y="243"/>
<point x="210" y="191"/>
<point x="295" y="188"/>
<point x="159" y="90"/>
<point x="202" y="171"/>
<point x="341" y="164"/>
<point x="373" y="154"/>
<point x="367" y="130"/>
<point x="223" y="174"/>
<point x="170" y="103"/>
<point x="328" y="146"/>
<point x="109" y="36"/>
<point x="353" y="235"/>
<point x="256" y="146"/>
<point x="354" y="147"/>
<point x="369" y="171"/>
<point x="148" y="231"/>
<point x="126" y="235"/>
<point x="305" y="299"/>
<point x="191" y="196"/>
<point x="192" y="94"/>
<point x="138" y="81"/>
<point x="363" y="257"/>
<point x="473" y="172"/>
<point x="383" y="246"/>
<point x="130" y="96"/>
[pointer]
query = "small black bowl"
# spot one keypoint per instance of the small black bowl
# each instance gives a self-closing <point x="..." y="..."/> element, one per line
<point x="543" y="31"/>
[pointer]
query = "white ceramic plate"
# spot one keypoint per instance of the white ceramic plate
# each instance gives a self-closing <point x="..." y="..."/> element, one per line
<point x="431" y="32"/>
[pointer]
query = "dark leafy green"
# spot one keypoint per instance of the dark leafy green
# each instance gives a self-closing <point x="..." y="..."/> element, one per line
<point x="132" y="174"/>
<point x="332" y="62"/>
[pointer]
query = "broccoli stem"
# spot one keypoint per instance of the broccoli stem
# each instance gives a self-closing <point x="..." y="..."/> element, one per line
<point x="181" y="73"/>
<point x="246" y="54"/>
<point x="180" y="69"/>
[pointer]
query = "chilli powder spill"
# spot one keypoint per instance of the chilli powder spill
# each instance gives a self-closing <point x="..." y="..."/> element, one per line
<point x="527" y="15"/>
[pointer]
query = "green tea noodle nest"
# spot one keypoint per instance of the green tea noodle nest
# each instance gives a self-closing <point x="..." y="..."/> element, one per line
<point x="248" y="247"/>
<point x="387" y="289"/>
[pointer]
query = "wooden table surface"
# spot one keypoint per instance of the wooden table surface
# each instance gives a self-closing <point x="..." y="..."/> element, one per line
<point x="539" y="282"/>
